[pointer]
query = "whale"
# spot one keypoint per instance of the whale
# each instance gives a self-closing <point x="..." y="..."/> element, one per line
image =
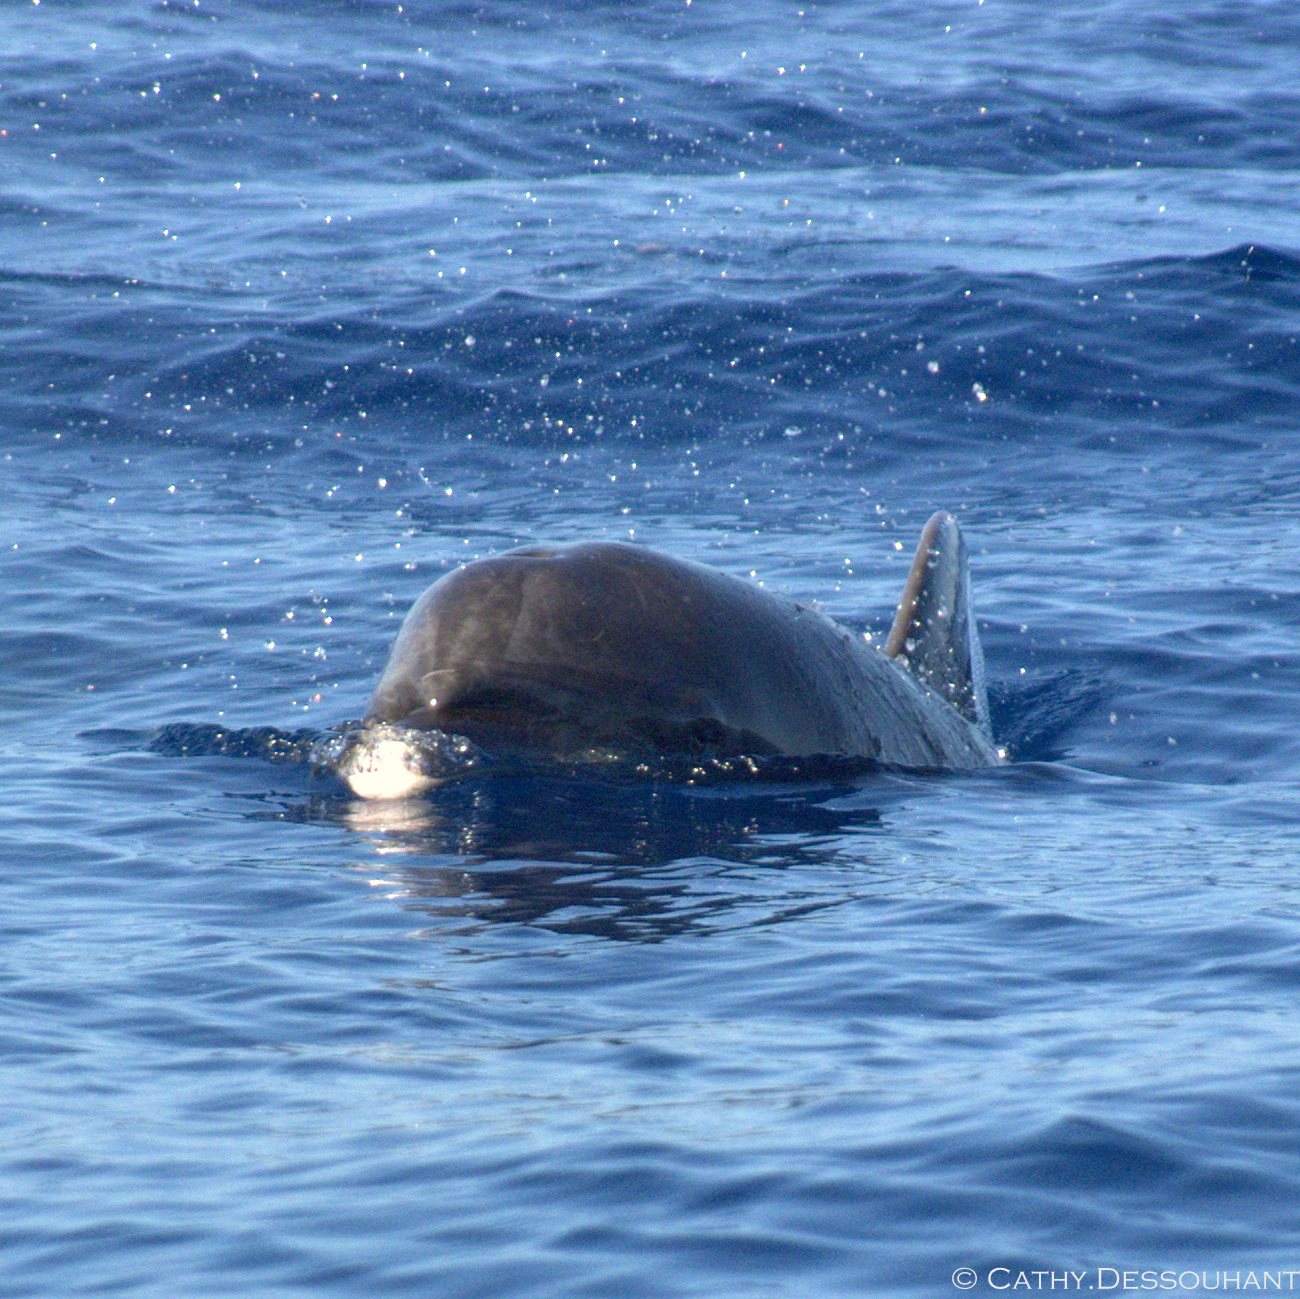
<point x="569" y="652"/>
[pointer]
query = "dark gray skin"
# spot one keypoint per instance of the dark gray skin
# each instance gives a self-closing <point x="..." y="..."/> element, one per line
<point x="557" y="651"/>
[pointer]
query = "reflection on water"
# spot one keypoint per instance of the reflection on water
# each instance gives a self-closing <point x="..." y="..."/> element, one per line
<point x="622" y="860"/>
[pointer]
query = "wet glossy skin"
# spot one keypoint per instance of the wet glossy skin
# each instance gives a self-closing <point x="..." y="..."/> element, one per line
<point x="557" y="650"/>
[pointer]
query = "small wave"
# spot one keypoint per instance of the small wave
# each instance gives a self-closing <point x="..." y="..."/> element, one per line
<point x="1033" y="717"/>
<point x="1256" y="262"/>
<point x="1252" y="262"/>
<point x="193" y="740"/>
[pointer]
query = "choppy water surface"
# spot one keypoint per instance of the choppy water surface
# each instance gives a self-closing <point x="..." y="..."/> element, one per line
<point x="300" y="309"/>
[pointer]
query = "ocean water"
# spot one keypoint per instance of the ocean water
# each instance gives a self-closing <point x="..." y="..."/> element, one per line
<point x="302" y="305"/>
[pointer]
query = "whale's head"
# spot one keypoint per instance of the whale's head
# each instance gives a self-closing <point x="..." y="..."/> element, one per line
<point x="551" y="652"/>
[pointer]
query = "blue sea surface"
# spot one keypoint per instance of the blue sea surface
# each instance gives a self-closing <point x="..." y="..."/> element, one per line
<point x="303" y="305"/>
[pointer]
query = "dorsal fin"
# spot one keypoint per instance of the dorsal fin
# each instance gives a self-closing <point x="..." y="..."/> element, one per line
<point x="934" y="634"/>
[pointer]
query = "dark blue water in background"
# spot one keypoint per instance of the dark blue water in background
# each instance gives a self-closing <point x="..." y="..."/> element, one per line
<point x="303" y="305"/>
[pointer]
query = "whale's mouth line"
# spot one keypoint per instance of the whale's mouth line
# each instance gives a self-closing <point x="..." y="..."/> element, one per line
<point x="505" y="704"/>
<point x="495" y="707"/>
<point x="528" y="716"/>
<point x="520" y="700"/>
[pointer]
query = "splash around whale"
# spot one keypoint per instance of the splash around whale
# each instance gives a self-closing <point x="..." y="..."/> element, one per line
<point x="604" y="648"/>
